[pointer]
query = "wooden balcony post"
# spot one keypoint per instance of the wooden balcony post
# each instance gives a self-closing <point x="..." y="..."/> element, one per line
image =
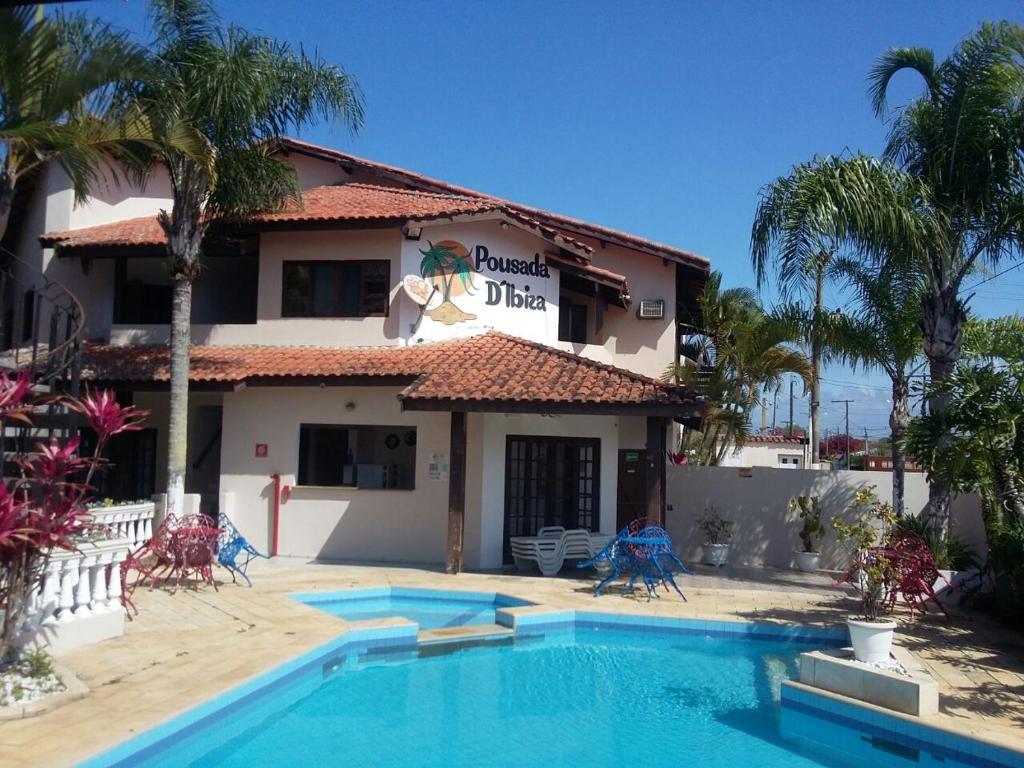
<point x="456" y="492"/>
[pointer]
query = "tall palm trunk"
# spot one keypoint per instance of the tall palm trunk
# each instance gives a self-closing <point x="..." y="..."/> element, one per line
<point x="6" y="200"/>
<point x="184" y="229"/>
<point x="899" y="421"/>
<point x="819" y="300"/>
<point x="942" y="326"/>
<point x="177" y="427"/>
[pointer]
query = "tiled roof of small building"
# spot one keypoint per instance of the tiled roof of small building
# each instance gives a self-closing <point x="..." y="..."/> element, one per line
<point x="489" y="368"/>
<point x="776" y="439"/>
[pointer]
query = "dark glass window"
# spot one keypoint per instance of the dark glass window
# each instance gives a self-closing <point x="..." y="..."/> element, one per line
<point x="357" y="456"/>
<point x="335" y="288"/>
<point x="28" y="314"/>
<point x="572" y="321"/>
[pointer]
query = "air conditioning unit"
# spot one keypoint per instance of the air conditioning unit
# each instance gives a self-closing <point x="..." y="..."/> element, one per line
<point x="651" y="309"/>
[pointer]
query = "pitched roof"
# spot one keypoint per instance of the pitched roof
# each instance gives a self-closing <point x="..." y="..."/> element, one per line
<point x="344" y="202"/>
<point x="485" y="372"/>
<point x="351" y="202"/>
<point x="776" y="439"/>
<point x="567" y="224"/>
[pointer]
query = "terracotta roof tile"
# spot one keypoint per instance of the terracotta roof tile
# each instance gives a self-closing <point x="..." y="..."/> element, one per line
<point x="492" y="367"/>
<point x="776" y="439"/>
<point x="344" y="202"/>
<point x="553" y="220"/>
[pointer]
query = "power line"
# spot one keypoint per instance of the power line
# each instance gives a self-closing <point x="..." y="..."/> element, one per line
<point x="1018" y="265"/>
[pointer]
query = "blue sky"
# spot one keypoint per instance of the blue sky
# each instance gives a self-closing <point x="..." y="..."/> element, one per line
<point x="660" y="118"/>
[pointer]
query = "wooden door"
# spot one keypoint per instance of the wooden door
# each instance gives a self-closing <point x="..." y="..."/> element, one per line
<point x="632" y="493"/>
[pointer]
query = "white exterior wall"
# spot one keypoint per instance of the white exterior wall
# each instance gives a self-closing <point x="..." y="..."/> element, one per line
<point x="382" y="525"/>
<point x="766" y="532"/>
<point x="331" y="523"/>
<point x="539" y="323"/>
<point x="765" y="455"/>
<point x="642" y="346"/>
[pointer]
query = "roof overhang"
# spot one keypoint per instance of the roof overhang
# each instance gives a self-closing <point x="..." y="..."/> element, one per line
<point x="585" y="408"/>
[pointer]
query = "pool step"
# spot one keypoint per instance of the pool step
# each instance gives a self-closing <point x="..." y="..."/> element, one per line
<point x="473" y="633"/>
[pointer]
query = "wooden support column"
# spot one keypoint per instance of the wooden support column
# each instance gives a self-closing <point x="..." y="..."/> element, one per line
<point x="456" y="492"/>
<point x="656" y="448"/>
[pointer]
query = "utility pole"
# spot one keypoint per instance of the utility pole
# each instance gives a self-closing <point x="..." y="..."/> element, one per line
<point x="791" y="382"/>
<point x="775" y="407"/>
<point x="847" y="403"/>
<point x="867" y="442"/>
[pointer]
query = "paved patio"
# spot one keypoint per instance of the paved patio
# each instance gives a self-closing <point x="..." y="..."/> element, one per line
<point x="187" y="647"/>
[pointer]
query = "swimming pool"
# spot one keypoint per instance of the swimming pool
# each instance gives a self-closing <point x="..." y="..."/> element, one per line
<point x="571" y="689"/>
<point x="430" y="608"/>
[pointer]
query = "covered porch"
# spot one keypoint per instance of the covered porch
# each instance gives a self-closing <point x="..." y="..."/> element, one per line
<point x="431" y="454"/>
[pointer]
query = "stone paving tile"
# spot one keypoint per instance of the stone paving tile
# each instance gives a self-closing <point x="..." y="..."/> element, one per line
<point x="187" y="647"/>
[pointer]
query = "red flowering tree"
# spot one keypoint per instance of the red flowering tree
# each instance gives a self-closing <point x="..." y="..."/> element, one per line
<point x="836" y="445"/>
<point x="44" y="508"/>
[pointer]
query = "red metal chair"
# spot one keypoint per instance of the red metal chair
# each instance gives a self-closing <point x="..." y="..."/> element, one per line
<point x="194" y="548"/>
<point x="153" y="556"/>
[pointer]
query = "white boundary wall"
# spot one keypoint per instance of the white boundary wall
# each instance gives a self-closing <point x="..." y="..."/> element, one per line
<point x="757" y="499"/>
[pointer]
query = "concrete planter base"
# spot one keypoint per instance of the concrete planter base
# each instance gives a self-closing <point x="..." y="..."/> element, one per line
<point x="914" y="693"/>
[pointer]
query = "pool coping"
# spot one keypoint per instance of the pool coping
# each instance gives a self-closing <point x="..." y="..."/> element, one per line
<point x="903" y="729"/>
<point x="531" y="620"/>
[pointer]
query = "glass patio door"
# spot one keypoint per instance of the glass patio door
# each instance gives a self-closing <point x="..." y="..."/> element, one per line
<point x="550" y="481"/>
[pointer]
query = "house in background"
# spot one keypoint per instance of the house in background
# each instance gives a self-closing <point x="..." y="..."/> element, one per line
<point x="767" y="450"/>
<point x="399" y="370"/>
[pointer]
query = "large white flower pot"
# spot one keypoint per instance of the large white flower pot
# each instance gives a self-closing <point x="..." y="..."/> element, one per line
<point x="716" y="554"/>
<point x="806" y="561"/>
<point x="871" y="640"/>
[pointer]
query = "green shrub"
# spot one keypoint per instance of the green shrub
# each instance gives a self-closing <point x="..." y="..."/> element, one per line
<point x="38" y="663"/>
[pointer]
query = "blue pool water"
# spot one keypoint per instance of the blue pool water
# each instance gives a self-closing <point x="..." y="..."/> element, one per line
<point x="593" y="696"/>
<point x="430" y="609"/>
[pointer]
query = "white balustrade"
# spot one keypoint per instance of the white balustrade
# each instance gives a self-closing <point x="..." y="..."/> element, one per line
<point x="79" y="598"/>
<point x="129" y="521"/>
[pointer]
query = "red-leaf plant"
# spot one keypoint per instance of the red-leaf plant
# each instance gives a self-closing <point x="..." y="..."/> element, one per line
<point x="44" y="508"/>
<point x="888" y="562"/>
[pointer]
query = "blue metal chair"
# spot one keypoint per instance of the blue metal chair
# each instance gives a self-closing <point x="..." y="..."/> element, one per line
<point x="645" y="551"/>
<point x="231" y="546"/>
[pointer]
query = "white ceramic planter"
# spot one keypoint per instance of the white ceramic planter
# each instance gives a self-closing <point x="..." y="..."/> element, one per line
<point x="950" y="585"/>
<point x="871" y="640"/>
<point x="806" y="561"/>
<point x="716" y="554"/>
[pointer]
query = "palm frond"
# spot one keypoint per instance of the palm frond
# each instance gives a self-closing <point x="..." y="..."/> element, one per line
<point x="895" y="60"/>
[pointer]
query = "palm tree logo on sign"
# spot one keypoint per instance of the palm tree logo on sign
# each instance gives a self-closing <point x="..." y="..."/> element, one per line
<point x="447" y="266"/>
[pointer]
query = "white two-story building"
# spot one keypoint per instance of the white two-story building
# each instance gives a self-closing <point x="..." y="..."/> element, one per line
<point x="398" y="370"/>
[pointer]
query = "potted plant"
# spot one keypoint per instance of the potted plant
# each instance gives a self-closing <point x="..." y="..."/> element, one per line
<point x="955" y="561"/>
<point x="809" y="510"/>
<point x="870" y="634"/>
<point x="716" y="533"/>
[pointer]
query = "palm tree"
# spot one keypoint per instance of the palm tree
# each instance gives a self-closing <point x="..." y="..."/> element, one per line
<point x="241" y="92"/>
<point x="963" y="141"/>
<point x="881" y="333"/>
<point x="805" y="274"/>
<point x="742" y="352"/>
<point x="58" y="80"/>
